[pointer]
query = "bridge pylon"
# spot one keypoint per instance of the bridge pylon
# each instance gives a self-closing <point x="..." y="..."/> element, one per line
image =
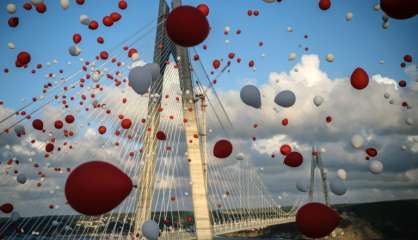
<point x="196" y="154"/>
<point x="317" y="163"/>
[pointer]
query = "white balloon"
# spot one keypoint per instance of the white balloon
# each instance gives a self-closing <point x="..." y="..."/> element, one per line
<point x="318" y="100"/>
<point x="291" y="56"/>
<point x="376" y="7"/>
<point x="285" y="98"/>
<point x="240" y="156"/>
<point x="150" y="230"/>
<point x="349" y="16"/>
<point x="357" y="141"/>
<point x="11" y="45"/>
<point x="84" y="19"/>
<point x="330" y="57"/>
<point x="409" y="121"/>
<point x="302" y="186"/>
<point x="342" y="174"/>
<point x="251" y="96"/>
<point x="21" y="178"/>
<point x="65" y="4"/>
<point x="375" y="167"/>
<point x="289" y="29"/>
<point x="74" y="50"/>
<point x="11" y="8"/>
<point x="386" y="95"/>
<point x="338" y="187"/>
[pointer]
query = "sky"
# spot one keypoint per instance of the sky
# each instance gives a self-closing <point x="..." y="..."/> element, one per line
<point x="361" y="42"/>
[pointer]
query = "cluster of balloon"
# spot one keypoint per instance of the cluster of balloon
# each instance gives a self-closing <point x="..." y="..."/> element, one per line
<point x="338" y="187"/>
<point x="375" y="167"/>
<point x="141" y="77"/>
<point x="293" y="159"/>
<point x="285" y="99"/>
<point x="7" y="208"/>
<point x="96" y="187"/>
<point x="359" y="79"/>
<point x="400" y="9"/>
<point x="150" y="230"/>
<point x="187" y="26"/>
<point x="316" y="220"/>
<point x="251" y="96"/>
<point x="222" y="149"/>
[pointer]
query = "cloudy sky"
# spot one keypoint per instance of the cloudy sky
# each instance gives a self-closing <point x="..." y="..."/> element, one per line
<point x="382" y="122"/>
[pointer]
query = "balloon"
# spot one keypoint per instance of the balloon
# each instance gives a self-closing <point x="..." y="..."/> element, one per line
<point x="20" y="130"/>
<point x="357" y="141"/>
<point x="74" y="51"/>
<point x="126" y="123"/>
<point x="293" y="159"/>
<point x="386" y="95"/>
<point x="11" y="8"/>
<point x="342" y="174"/>
<point x="187" y="26"/>
<point x="338" y="187"/>
<point x="359" y="78"/>
<point x="161" y="136"/>
<point x="407" y="58"/>
<point x="324" y="4"/>
<point x="140" y="79"/>
<point x="11" y="45"/>
<point x="38" y="124"/>
<point x="23" y="58"/>
<point x="154" y="68"/>
<point x="222" y="149"/>
<point x="49" y="147"/>
<point x="65" y="4"/>
<point x="375" y="167"/>
<point x="330" y="57"/>
<point x="6" y="208"/>
<point x="301" y="186"/>
<point x="400" y="9"/>
<point x="69" y="119"/>
<point x="204" y="9"/>
<point x="318" y="100"/>
<point x="251" y="96"/>
<point x="216" y="64"/>
<point x="316" y="220"/>
<point x="84" y="19"/>
<point x="21" y="178"/>
<point x="150" y="230"/>
<point x="372" y="152"/>
<point x="349" y="16"/>
<point x="291" y="56"/>
<point x="270" y="1"/>
<point x="285" y="149"/>
<point x="96" y="187"/>
<point x="285" y="99"/>
<point x="240" y="156"/>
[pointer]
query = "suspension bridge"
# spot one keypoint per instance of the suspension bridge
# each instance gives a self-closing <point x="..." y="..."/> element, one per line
<point x="179" y="185"/>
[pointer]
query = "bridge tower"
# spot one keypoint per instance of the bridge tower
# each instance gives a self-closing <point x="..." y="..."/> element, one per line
<point x="317" y="163"/>
<point x="196" y="154"/>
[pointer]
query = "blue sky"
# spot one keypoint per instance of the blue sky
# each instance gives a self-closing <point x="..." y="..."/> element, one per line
<point x="361" y="42"/>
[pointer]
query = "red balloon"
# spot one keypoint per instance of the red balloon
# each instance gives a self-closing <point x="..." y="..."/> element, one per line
<point x="372" y="152"/>
<point x="400" y="9"/>
<point x="13" y="22"/>
<point x="7" y="208"/>
<point x="107" y="21"/>
<point x="161" y="136"/>
<point x="359" y="78"/>
<point x="93" y="25"/>
<point x="104" y="55"/>
<point x="293" y="159"/>
<point x="407" y="58"/>
<point x="204" y="9"/>
<point x="100" y="40"/>
<point x="316" y="220"/>
<point x="96" y="187"/>
<point x="285" y="121"/>
<point x="69" y="119"/>
<point x="38" y="124"/>
<point x="58" y="124"/>
<point x="23" y="58"/>
<point x="126" y="123"/>
<point x="251" y="63"/>
<point x="102" y="130"/>
<point x="324" y="4"/>
<point x="328" y="119"/>
<point x="123" y="4"/>
<point x="27" y="6"/>
<point x="222" y="149"/>
<point x="187" y="26"/>
<point x="49" y="147"/>
<point x="402" y="83"/>
<point x="76" y="38"/>
<point x="115" y="16"/>
<point x="216" y="64"/>
<point x="41" y="7"/>
<point x="285" y="149"/>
